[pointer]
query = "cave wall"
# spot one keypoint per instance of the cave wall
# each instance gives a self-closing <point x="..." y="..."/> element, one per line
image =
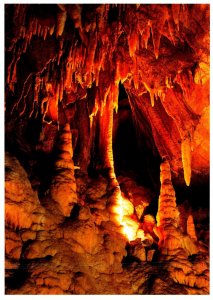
<point x="75" y="76"/>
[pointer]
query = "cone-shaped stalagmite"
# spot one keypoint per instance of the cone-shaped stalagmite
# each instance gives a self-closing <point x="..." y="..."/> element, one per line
<point x="175" y="246"/>
<point x="63" y="187"/>
<point x="167" y="210"/>
<point x="191" y="228"/>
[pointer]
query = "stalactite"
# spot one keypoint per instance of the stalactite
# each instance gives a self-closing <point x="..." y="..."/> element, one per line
<point x="75" y="13"/>
<point x="61" y="88"/>
<point x="68" y="73"/>
<point x="156" y="36"/>
<point x="39" y="30"/>
<point x="132" y="42"/>
<point x="186" y="159"/>
<point x="146" y="34"/>
<point x="35" y="26"/>
<point x="91" y="52"/>
<point x="172" y="33"/>
<point x="151" y="93"/>
<point x="114" y="91"/>
<point x="13" y="78"/>
<point x="176" y="14"/>
<point x="60" y="52"/>
<point x="61" y="20"/>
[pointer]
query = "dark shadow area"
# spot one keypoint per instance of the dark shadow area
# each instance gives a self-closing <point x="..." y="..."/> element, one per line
<point x="131" y="156"/>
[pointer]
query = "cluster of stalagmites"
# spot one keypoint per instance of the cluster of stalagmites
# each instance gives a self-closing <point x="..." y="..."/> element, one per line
<point x="50" y="252"/>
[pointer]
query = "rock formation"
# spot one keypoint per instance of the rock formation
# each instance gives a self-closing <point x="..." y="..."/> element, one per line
<point x="63" y="186"/>
<point x="191" y="228"/>
<point x="175" y="247"/>
<point x="97" y="97"/>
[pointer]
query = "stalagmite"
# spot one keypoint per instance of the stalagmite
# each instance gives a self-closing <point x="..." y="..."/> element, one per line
<point x="63" y="186"/>
<point x="167" y="210"/>
<point x="186" y="159"/>
<point x="175" y="246"/>
<point x="191" y="228"/>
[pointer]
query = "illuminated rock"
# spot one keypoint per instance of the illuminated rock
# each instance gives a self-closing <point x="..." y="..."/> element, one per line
<point x="191" y="228"/>
<point x="63" y="186"/>
<point x="168" y="213"/>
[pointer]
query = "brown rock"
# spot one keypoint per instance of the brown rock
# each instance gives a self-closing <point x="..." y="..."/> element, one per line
<point x="40" y="249"/>
<point x="191" y="228"/>
<point x="150" y="254"/>
<point x="85" y="234"/>
<point x="84" y="213"/>
<point x="139" y="252"/>
<point x="97" y="188"/>
<point x="28" y="235"/>
<point x="22" y="207"/>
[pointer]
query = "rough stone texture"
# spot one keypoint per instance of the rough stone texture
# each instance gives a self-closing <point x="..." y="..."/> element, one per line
<point x="63" y="186"/>
<point x="22" y="206"/>
<point x="191" y="228"/>
<point x="88" y="254"/>
<point x="177" y="250"/>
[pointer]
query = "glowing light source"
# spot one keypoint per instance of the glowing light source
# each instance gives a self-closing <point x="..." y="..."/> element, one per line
<point x="125" y="210"/>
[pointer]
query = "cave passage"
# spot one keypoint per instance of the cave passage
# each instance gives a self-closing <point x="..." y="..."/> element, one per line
<point x="131" y="155"/>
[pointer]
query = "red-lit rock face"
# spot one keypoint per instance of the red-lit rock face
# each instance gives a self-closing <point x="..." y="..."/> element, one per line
<point x="65" y="65"/>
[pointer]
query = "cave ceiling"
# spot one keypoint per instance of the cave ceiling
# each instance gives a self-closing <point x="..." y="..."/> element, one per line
<point x="58" y="55"/>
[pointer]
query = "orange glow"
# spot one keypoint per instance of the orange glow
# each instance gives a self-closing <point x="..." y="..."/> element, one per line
<point x="124" y="209"/>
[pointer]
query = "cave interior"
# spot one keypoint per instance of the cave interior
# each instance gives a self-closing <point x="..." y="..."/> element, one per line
<point x="107" y="148"/>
